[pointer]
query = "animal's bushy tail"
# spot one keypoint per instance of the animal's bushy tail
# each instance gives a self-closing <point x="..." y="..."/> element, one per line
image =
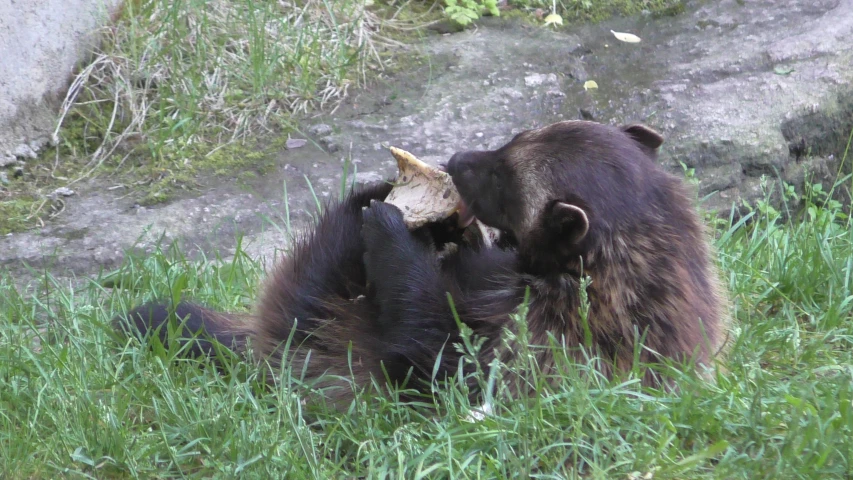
<point x="202" y="328"/>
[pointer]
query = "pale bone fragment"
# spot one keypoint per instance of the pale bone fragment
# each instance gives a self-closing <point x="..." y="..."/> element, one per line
<point x="426" y="194"/>
<point x="422" y="192"/>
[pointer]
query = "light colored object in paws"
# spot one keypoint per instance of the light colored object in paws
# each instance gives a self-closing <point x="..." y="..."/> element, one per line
<point x="422" y="192"/>
<point x="426" y="194"/>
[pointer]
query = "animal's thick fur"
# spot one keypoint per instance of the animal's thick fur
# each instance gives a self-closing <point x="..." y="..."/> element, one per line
<point x="363" y="297"/>
<point x="638" y="238"/>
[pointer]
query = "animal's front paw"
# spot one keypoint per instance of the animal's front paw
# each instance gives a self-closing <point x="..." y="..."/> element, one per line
<point x="382" y="223"/>
<point x="387" y="246"/>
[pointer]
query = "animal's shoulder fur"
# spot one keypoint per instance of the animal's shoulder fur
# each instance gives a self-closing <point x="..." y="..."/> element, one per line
<point x="585" y="199"/>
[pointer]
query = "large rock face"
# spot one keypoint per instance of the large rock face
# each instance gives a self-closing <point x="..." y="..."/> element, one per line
<point x="740" y="89"/>
<point x="41" y="42"/>
<point x="755" y="88"/>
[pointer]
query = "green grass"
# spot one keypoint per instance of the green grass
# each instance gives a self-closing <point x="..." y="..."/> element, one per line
<point x="191" y="75"/>
<point x="182" y="87"/>
<point x="78" y="402"/>
<point x="464" y="12"/>
<point x="597" y="10"/>
<point x="15" y="213"/>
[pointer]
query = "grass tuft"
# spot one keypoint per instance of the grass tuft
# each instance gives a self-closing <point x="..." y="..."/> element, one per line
<point x="180" y="87"/>
<point x="184" y="76"/>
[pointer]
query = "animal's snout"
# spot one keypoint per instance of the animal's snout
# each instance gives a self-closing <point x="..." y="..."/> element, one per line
<point x="461" y="164"/>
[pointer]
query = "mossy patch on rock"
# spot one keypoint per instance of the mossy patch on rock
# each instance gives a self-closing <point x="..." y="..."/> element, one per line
<point x="14" y="215"/>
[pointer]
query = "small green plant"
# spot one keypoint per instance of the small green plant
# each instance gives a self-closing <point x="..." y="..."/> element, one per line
<point x="466" y="11"/>
<point x="595" y="10"/>
<point x="689" y="174"/>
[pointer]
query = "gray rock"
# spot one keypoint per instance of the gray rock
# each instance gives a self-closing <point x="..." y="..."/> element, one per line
<point x="292" y="143"/>
<point x="329" y="144"/>
<point x="511" y="93"/>
<point x="367" y="178"/>
<point x="539" y="79"/>
<point x="362" y="125"/>
<point x="61" y="192"/>
<point x="41" y="42"/>
<point x="320" y="129"/>
<point x="24" y="151"/>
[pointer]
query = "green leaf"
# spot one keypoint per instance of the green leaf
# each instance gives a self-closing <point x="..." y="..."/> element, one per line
<point x="783" y="70"/>
<point x="553" y="19"/>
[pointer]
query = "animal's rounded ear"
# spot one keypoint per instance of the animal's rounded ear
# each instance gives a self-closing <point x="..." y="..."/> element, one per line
<point x="644" y="135"/>
<point x="572" y="219"/>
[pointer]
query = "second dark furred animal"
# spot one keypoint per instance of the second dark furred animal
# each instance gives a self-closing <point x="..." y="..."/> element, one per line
<point x="361" y="296"/>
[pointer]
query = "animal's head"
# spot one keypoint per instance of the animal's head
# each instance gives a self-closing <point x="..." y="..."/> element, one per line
<point x="562" y="187"/>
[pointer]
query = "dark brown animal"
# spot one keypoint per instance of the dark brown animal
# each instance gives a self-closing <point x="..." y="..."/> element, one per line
<point x="363" y="297"/>
<point x="582" y="198"/>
